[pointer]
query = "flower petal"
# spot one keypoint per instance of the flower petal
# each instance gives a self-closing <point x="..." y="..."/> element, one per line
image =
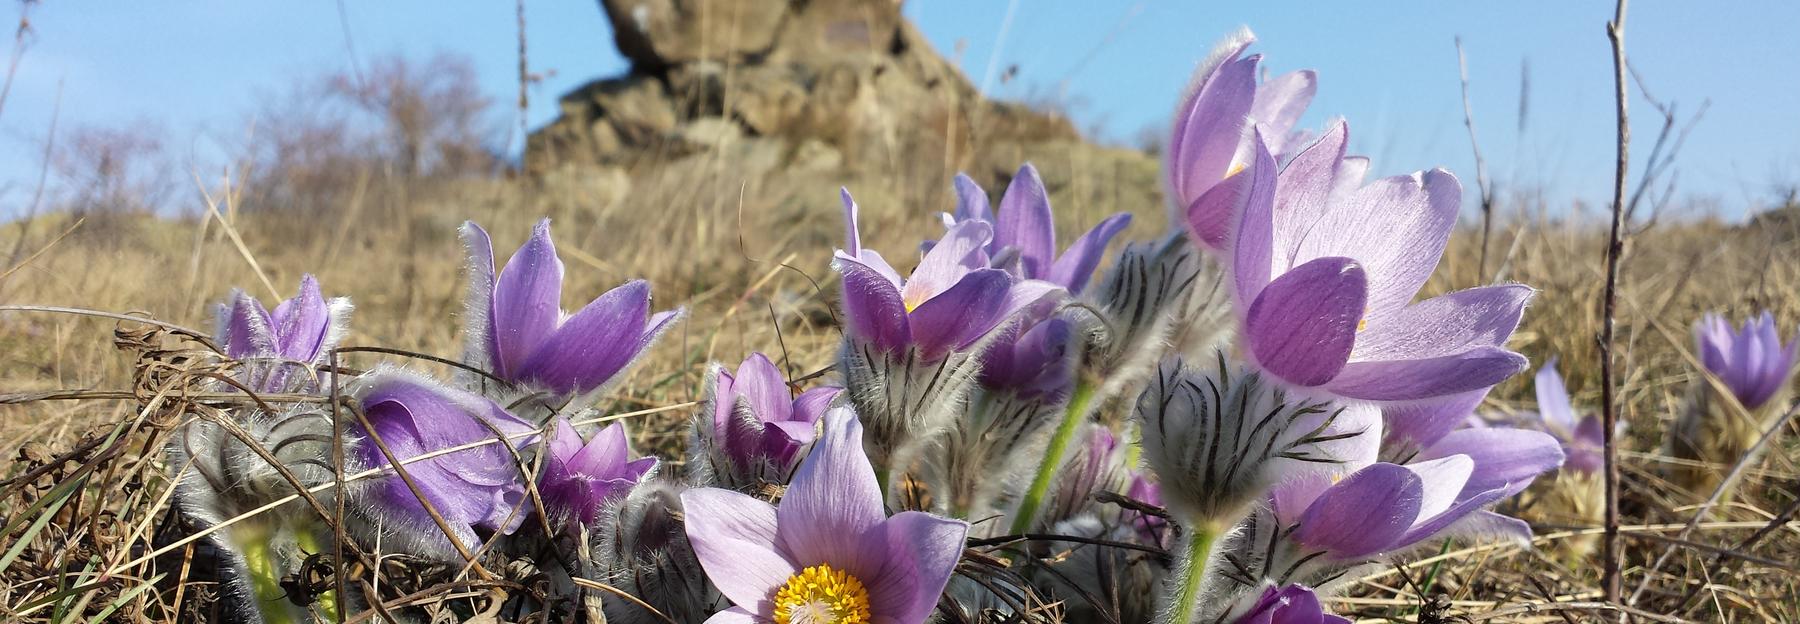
<point x="1441" y="480"/>
<point x="734" y="615"/>
<point x="594" y="344"/>
<point x="1304" y="192"/>
<point x="761" y="382"/>
<point x="1076" y="264"/>
<point x="852" y="235"/>
<point x="301" y="322"/>
<point x="1280" y="102"/>
<point x="248" y="330"/>
<point x="478" y="304"/>
<point x="526" y="304"/>
<point x="1303" y="325"/>
<point x="921" y="550"/>
<point x="1420" y="424"/>
<point x="873" y="309"/>
<point x="971" y="201"/>
<point x="1405" y="380"/>
<point x="1553" y="400"/>
<point x="1397" y="227"/>
<point x="1209" y="216"/>
<point x="957" y="317"/>
<point x="945" y="265"/>
<point x="734" y="537"/>
<point x="1504" y="457"/>
<point x="833" y="499"/>
<point x="1444" y="325"/>
<point x="1364" y="514"/>
<point x="1025" y="222"/>
<point x="1210" y="128"/>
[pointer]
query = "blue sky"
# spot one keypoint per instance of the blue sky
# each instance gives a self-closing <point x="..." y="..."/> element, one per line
<point x="195" y="68"/>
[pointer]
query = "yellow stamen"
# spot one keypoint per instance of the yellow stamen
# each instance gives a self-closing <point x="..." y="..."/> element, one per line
<point x="1362" y="324"/>
<point x="1237" y="168"/>
<point x="822" y="595"/>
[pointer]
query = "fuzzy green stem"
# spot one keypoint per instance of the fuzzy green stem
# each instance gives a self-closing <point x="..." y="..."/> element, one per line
<point x="1187" y="599"/>
<point x="265" y="579"/>
<point x="1073" y="416"/>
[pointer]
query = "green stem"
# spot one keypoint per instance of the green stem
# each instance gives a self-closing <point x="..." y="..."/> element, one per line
<point x="1199" y="552"/>
<point x="265" y="578"/>
<point x="1073" y="416"/>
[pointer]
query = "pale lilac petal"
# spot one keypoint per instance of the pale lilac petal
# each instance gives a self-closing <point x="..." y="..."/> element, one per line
<point x="1252" y="239"/>
<point x="1303" y="193"/>
<point x="1025" y="222"/>
<point x="735" y="615"/>
<point x="1432" y="526"/>
<point x="1280" y="102"/>
<point x="961" y="315"/>
<point x="1553" y="399"/>
<point x="922" y="551"/>
<point x="833" y="499"/>
<point x="594" y="344"/>
<point x="526" y="303"/>
<point x="944" y="265"/>
<point x="734" y="537"/>
<point x="1213" y="126"/>
<point x="971" y="201"/>
<point x="1364" y="514"/>
<point x="812" y="403"/>
<point x="1397" y="227"/>
<point x="608" y="447"/>
<point x="759" y="381"/>
<point x="1209" y="216"/>
<point x="873" y="309"/>
<point x="1405" y="380"/>
<point x="1444" y="325"/>
<point x="852" y="236"/>
<point x="1504" y="458"/>
<point x="1076" y="264"/>
<point x="1440" y="481"/>
<point x="1423" y="423"/>
<point x="564" y="442"/>
<point x="1303" y="325"/>
<point x="1194" y="111"/>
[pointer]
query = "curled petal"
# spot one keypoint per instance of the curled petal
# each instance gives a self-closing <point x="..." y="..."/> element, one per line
<point x="1303" y="325"/>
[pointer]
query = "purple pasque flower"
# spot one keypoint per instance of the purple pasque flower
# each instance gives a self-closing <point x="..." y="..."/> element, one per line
<point x="1582" y="437"/>
<point x="580" y="479"/>
<point x="480" y="487"/>
<point x="517" y="330"/>
<point x="1291" y="604"/>
<point x="1325" y="269"/>
<point x="1750" y="361"/>
<point x="1439" y="428"/>
<point x="1381" y="509"/>
<point x="1210" y="144"/>
<point x="1024" y="240"/>
<point x="281" y="349"/>
<point x="758" y="430"/>
<point x="951" y="301"/>
<point x="829" y="552"/>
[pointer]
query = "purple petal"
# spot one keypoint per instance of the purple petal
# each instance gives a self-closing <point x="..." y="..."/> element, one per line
<point x="478" y="306"/>
<point x="1423" y="423"/>
<point x="1076" y="264"/>
<point x="762" y="383"/>
<point x="1280" y="102"/>
<point x="813" y="403"/>
<point x="1405" y="380"/>
<point x="734" y="537"/>
<point x="1304" y="191"/>
<point x="1364" y="514"/>
<point x="1433" y="526"/>
<point x="833" y="499"/>
<point x="971" y="201"/>
<point x="1025" y="222"/>
<point x="1303" y="325"/>
<point x="873" y="308"/>
<point x="1504" y="458"/>
<point x="1253" y="236"/>
<point x="527" y="302"/>
<point x="1209" y="216"/>
<point x="1397" y="227"/>
<point x="1553" y="400"/>
<point x="249" y="332"/>
<point x="594" y="344"/>
<point x="961" y="315"/>
<point x="944" y="266"/>
<point x="1211" y="128"/>
<point x="564" y="442"/>
<point x="920" y="552"/>
<point x="852" y="237"/>
<point x="1444" y="325"/>
<point x="301" y="323"/>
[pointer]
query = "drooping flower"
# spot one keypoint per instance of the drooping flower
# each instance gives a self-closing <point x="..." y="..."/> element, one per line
<point x="757" y="430"/>
<point x="281" y="350"/>
<point x="517" y="330"/>
<point x="579" y="479"/>
<point x="1291" y="604"/>
<point x="1751" y="361"/>
<point x="1209" y="146"/>
<point x="1218" y="440"/>
<point x="479" y="487"/>
<point x="829" y="552"/>
<point x="1325" y="270"/>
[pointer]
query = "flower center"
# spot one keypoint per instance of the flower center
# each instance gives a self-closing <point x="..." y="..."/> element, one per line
<point x="822" y="595"/>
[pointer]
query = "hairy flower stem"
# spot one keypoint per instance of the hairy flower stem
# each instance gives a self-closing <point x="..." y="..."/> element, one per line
<point x="1187" y="598"/>
<point x="1073" y="416"/>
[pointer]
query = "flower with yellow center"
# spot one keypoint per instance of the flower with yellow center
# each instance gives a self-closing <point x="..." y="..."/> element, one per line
<point x="822" y="595"/>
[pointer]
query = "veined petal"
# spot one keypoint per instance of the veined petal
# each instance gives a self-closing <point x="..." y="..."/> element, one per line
<point x="852" y="235"/>
<point x="1553" y="400"/>
<point x="1303" y="193"/>
<point x="1076" y="264"/>
<point x="526" y="303"/>
<point x="921" y="551"/>
<point x="1444" y="325"/>
<point x="478" y="305"/>
<point x="594" y="344"/>
<point x="734" y="615"/>
<point x="301" y="322"/>
<point x="1253" y="239"/>
<point x="1405" y="380"/>
<point x="1211" y="128"/>
<point x="1397" y="227"/>
<point x="833" y="499"/>
<point x="249" y="332"/>
<point x="971" y="201"/>
<point x="734" y="537"/>
<point x="873" y="309"/>
<point x="1209" y="216"/>
<point x="1423" y="423"/>
<point x="944" y="265"/>
<point x="1440" y="481"/>
<point x="1364" y="514"/>
<point x="761" y="382"/>
<point x="1303" y="325"/>
<point x="961" y="315"/>
<point x="1280" y="102"/>
<point x="1025" y="222"/>
<point x="1504" y="458"/>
